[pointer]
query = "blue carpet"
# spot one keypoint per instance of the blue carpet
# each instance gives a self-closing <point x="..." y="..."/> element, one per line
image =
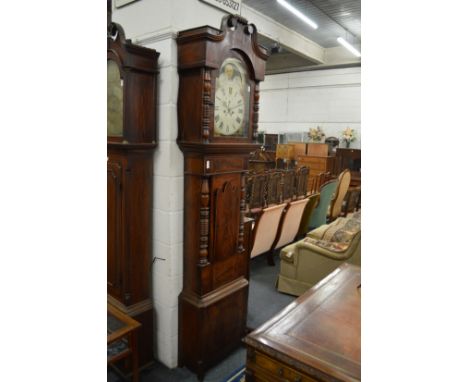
<point x="237" y="376"/>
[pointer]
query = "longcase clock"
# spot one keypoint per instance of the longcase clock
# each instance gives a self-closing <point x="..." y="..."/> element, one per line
<point x="219" y="75"/>
<point x="131" y="140"/>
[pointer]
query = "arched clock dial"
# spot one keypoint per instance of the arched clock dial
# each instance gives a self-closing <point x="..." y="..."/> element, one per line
<point x="231" y="100"/>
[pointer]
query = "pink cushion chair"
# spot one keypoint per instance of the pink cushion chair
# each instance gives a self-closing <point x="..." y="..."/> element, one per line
<point x="266" y="227"/>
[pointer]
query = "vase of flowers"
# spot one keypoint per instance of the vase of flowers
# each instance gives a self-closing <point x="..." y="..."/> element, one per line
<point x="316" y="134"/>
<point x="348" y="135"/>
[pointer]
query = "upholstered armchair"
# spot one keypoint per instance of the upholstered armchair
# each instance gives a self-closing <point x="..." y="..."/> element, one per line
<point x="308" y="261"/>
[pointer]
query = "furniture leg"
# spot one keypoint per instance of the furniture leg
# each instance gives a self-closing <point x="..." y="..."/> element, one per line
<point x="270" y="259"/>
<point x="133" y="346"/>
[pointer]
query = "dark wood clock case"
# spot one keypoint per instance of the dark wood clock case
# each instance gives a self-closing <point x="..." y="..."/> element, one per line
<point x="130" y="186"/>
<point x="213" y="302"/>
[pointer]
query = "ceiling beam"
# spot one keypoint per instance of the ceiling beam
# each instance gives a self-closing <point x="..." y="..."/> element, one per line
<point x="286" y="37"/>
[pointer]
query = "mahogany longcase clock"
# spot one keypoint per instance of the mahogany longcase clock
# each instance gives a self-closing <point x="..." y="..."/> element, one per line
<point x="219" y="75"/>
<point x="131" y="140"/>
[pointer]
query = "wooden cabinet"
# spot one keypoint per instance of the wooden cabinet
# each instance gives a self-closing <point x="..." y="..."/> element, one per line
<point x="317" y="338"/>
<point x="316" y="165"/>
<point x="349" y="159"/>
<point x="131" y="140"/>
<point x="216" y="147"/>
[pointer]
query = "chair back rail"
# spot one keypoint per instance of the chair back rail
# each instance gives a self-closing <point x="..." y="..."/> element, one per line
<point x="273" y="187"/>
<point x="273" y="195"/>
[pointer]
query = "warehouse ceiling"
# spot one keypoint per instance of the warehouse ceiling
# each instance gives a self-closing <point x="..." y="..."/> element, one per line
<point x="335" y="18"/>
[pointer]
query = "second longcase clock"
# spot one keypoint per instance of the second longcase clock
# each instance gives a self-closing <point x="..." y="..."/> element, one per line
<point x="219" y="75"/>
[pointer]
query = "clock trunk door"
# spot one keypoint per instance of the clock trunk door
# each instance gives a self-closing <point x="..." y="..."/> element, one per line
<point x="226" y="259"/>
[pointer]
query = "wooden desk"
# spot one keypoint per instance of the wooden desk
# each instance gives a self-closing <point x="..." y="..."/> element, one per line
<point x="317" y="338"/>
<point x="121" y="338"/>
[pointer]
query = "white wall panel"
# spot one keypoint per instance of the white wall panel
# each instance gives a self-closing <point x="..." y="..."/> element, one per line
<point x="276" y="104"/>
<point x="295" y="102"/>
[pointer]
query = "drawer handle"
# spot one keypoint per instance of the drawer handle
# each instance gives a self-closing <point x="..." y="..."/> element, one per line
<point x="280" y="371"/>
<point x="298" y="379"/>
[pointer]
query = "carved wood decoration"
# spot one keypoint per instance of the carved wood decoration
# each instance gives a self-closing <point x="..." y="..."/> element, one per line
<point x="131" y="141"/>
<point x="274" y="187"/>
<point x="257" y="191"/>
<point x="287" y="180"/>
<point x="213" y="302"/>
<point x="302" y="177"/>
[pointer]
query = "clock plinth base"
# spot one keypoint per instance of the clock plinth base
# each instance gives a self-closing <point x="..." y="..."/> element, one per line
<point x="211" y="326"/>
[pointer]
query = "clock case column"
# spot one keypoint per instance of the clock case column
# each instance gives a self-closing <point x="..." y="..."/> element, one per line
<point x="213" y="302"/>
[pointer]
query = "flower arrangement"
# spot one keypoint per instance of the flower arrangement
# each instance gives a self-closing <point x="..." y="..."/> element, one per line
<point x="316" y="134"/>
<point x="348" y="136"/>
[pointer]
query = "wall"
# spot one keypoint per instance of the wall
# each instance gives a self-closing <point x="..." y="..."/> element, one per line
<point x="295" y="102"/>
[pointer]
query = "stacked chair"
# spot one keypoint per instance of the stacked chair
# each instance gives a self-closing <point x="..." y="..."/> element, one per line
<point x="284" y="209"/>
<point x="283" y="200"/>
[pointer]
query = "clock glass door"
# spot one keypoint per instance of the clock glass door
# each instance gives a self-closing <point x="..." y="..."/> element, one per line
<point x="232" y="100"/>
<point x="114" y="100"/>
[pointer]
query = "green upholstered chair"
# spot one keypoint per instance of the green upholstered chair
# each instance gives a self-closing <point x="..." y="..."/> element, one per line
<point x="306" y="262"/>
<point x="319" y="214"/>
<point x="304" y="226"/>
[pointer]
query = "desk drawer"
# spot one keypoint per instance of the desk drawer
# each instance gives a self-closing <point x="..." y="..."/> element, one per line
<point x="265" y="368"/>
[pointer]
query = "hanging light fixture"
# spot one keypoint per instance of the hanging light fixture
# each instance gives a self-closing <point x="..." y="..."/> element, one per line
<point x="348" y="46"/>
<point x="298" y="13"/>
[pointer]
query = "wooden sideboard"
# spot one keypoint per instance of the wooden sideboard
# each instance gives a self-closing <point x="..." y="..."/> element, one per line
<point x="317" y="338"/>
<point x="316" y="164"/>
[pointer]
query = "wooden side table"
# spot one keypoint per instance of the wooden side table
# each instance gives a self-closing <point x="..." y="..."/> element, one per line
<point x="121" y="338"/>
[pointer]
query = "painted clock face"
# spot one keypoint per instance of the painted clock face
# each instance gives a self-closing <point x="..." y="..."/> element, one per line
<point x="232" y="100"/>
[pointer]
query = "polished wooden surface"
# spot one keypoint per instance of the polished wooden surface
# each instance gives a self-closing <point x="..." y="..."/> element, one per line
<point x="130" y="186"/>
<point x="317" y="149"/>
<point x="213" y="302"/>
<point x="316" y="338"/>
<point x="316" y="164"/>
<point x="349" y="159"/>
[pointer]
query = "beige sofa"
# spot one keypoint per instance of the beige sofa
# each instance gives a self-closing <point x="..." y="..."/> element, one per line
<point x="308" y="261"/>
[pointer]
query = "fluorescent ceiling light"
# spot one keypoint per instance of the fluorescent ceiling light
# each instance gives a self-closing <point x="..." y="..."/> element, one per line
<point x="299" y="14"/>
<point x="348" y="46"/>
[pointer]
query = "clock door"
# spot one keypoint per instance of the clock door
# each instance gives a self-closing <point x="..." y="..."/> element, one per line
<point x="227" y="264"/>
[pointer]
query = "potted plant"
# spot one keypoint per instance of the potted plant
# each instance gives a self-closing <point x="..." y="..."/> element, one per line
<point x="348" y="135"/>
<point x="316" y="134"/>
